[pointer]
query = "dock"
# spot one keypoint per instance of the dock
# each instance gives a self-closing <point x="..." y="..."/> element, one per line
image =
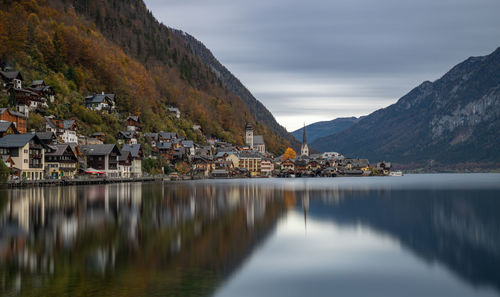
<point x="79" y="181"/>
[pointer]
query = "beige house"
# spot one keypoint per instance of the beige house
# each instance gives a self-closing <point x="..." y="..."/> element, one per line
<point x="27" y="153"/>
<point x="60" y="161"/>
<point x="235" y="159"/>
<point x="250" y="161"/>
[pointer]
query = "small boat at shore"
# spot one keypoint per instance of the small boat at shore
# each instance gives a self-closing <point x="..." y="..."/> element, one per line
<point x="396" y="173"/>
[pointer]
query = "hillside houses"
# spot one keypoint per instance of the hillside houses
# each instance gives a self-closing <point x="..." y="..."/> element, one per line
<point x="19" y="119"/>
<point x="64" y="129"/>
<point x="134" y="124"/>
<point x="100" y="102"/>
<point x="59" y="151"/>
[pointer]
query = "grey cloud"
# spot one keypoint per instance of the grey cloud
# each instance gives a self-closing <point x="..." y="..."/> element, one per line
<point x="370" y="43"/>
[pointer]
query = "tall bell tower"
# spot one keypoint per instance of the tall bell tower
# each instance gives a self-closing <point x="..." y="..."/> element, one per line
<point x="304" y="150"/>
<point x="249" y="135"/>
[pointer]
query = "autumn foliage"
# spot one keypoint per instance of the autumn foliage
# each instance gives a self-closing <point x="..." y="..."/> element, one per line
<point x="289" y="154"/>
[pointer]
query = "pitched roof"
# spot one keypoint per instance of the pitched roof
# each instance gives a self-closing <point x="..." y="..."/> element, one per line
<point x="126" y="134"/>
<point x="39" y="82"/>
<point x="133" y="149"/>
<point x="16" y="140"/>
<point x="133" y="118"/>
<point x="163" y="145"/>
<point x="249" y="154"/>
<point x="59" y="149"/>
<point x="98" y="149"/>
<point x="4" y="126"/>
<point x="124" y="155"/>
<point x="11" y="74"/>
<point x="167" y="135"/>
<point x="258" y="139"/>
<point x="99" y="98"/>
<point x="14" y="113"/>
<point x="151" y="135"/>
<point x="46" y="135"/>
<point x="68" y="124"/>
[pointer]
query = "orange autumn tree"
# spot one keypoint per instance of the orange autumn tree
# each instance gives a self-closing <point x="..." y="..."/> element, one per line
<point x="289" y="154"/>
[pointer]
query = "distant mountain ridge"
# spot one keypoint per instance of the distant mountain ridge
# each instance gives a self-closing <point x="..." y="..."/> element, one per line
<point x="232" y="83"/>
<point x="325" y="128"/>
<point x="454" y="120"/>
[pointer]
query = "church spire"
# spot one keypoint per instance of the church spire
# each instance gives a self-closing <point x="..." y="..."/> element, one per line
<point x="304" y="150"/>
<point x="304" y="138"/>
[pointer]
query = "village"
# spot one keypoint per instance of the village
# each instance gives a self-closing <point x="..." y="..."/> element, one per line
<point x="61" y="152"/>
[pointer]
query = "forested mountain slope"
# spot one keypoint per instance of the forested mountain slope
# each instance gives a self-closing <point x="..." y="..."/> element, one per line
<point x="325" y="128"/>
<point x="85" y="46"/>
<point x="260" y="112"/>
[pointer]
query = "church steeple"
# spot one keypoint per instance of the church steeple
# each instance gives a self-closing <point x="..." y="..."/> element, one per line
<point x="304" y="150"/>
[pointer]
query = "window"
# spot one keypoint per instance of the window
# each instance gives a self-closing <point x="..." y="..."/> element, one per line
<point x="25" y="160"/>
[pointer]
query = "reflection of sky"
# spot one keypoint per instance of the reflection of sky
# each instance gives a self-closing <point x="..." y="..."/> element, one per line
<point x="328" y="260"/>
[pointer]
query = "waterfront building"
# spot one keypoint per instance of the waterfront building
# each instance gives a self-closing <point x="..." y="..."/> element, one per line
<point x="125" y="164"/>
<point x="101" y="157"/>
<point x="136" y="155"/>
<point x="60" y="161"/>
<point x="27" y="153"/>
<point x="266" y="167"/>
<point x="250" y="161"/>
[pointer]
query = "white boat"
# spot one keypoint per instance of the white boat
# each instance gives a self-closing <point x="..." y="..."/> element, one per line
<point x="396" y="173"/>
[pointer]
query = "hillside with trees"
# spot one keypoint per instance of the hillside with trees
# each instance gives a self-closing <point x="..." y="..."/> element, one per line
<point x="83" y="47"/>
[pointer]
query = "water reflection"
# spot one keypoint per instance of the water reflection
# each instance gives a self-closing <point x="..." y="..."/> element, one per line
<point x="190" y="238"/>
<point x="140" y="239"/>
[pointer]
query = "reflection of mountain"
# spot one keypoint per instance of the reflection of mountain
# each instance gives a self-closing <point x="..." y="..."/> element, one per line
<point x="455" y="228"/>
<point x="130" y="240"/>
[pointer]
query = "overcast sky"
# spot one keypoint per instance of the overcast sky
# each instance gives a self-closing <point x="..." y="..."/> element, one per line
<point x="313" y="60"/>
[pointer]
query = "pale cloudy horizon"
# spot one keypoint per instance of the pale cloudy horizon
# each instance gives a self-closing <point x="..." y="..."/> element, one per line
<point x="319" y="60"/>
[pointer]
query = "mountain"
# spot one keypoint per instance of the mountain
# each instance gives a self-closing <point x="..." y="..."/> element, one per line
<point x="453" y="121"/>
<point x="81" y="47"/>
<point x="325" y="128"/>
<point x="260" y="112"/>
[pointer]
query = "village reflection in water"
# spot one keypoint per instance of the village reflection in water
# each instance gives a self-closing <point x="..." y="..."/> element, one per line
<point x="189" y="238"/>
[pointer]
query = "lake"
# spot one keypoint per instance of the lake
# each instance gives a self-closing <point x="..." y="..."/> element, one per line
<point x="416" y="235"/>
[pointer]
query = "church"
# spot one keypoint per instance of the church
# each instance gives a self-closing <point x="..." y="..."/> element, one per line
<point x="255" y="142"/>
<point x="304" y="149"/>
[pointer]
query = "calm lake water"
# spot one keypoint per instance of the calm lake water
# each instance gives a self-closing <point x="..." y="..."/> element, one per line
<point x="417" y="235"/>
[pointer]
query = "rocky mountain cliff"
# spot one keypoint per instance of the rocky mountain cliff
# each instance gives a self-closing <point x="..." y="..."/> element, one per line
<point x="232" y="83"/>
<point x="325" y="128"/>
<point x="454" y="120"/>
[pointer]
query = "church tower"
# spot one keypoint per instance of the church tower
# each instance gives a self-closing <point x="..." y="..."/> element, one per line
<point x="249" y="135"/>
<point x="304" y="150"/>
